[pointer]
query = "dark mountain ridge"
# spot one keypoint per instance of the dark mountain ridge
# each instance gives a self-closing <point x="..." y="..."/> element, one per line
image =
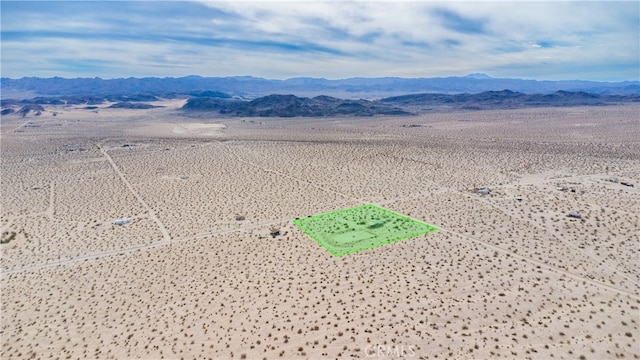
<point x="291" y="106"/>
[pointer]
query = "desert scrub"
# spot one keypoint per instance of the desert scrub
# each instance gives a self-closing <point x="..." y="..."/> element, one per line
<point x="7" y="237"/>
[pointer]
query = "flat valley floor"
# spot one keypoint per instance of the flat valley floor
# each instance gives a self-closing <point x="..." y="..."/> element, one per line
<point x="196" y="274"/>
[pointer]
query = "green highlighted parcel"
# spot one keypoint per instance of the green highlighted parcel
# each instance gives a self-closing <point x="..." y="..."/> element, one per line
<point x="348" y="231"/>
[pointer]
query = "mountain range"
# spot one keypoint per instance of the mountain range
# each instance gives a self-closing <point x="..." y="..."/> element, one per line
<point x="256" y="97"/>
<point x="249" y="88"/>
<point x="221" y="105"/>
<point x="291" y="105"/>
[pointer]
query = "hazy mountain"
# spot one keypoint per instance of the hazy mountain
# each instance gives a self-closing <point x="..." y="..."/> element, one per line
<point x="479" y="76"/>
<point x="248" y="87"/>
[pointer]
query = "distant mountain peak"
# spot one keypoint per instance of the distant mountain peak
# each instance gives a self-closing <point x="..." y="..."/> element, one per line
<point x="478" y="76"/>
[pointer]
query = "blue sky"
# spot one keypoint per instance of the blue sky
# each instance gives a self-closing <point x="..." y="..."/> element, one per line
<point x="544" y="40"/>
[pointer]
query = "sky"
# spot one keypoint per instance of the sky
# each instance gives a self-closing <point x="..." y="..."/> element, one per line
<point x="542" y="40"/>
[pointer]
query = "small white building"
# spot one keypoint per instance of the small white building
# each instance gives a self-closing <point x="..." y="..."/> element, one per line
<point x="484" y="192"/>
<point x="574" y="214"/>
<point x="123" y="220"/>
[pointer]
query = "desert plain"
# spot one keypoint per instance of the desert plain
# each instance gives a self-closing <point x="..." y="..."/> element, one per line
<point x="196" y="273"/>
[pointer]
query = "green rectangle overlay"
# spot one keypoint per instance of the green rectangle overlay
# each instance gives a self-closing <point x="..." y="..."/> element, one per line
<point x="351" y="230"/>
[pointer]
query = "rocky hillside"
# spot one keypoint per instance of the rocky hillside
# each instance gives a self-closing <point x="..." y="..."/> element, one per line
<point x="292" y="106"/>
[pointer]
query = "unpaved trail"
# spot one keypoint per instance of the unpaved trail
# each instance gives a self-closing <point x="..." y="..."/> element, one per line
<point x="132" y="249"/>
<point x="528" y="259"/>
<point x="16" y="128"/>
<point x="326" y="189"/>
<point x="603" y="262"/>
<point x="52" y="195"/>
<point x="152" y="214"/>
<point x="542" y="264"/>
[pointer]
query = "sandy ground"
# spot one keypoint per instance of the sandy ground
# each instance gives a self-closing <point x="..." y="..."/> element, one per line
<point x="508" y="275"/>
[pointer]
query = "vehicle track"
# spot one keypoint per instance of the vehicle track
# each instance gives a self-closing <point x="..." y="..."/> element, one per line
<point x="132" y="249"/>
<point x="603" y="262"/>
<point x="326" y="189"/>
<point x="16" y="128"/>
<point x="152" y="214"/>
<point x="542" y="264"/>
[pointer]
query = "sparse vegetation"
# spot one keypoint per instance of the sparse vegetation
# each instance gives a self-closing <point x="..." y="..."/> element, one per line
<point x="7" y="237"/>
<point x="76" y="286"/>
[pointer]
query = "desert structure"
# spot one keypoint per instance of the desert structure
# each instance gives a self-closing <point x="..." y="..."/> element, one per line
<point x="195" y="272"/>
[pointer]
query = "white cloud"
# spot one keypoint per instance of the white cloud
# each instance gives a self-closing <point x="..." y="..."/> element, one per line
<point x="331" y="39"/>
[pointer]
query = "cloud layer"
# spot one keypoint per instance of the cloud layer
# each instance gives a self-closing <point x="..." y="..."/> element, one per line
<point x="336" y="39"/>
